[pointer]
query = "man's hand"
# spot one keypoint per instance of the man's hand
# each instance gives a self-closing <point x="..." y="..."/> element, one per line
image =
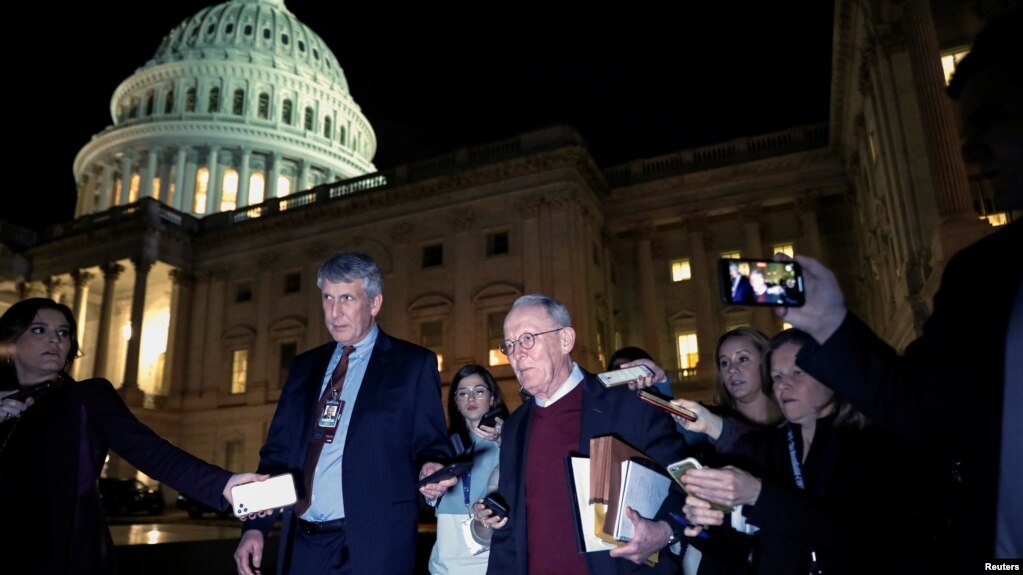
<point x="699" y="514"/>
<point x="647" y="538"/>
<point x="238" y="479"/>
<point x="435" y="490"/>
<point x="728" y="486"/>
<point x="824" y="310"/>
<point x="249" y="555"/>
<point x="645" y="380"/>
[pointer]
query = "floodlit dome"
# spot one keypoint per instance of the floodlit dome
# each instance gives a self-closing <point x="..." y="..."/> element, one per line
<point x="240" y="103"/>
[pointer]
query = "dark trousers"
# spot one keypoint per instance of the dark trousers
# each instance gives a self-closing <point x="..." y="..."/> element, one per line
<point x="319" y="554"/>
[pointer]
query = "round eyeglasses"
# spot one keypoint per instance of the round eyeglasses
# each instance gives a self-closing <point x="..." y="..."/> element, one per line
<point x="478" y="392"/>
<point x="526" y="340"/>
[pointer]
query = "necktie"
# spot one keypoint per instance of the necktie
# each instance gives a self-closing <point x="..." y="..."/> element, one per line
<point x="320" y="435"/>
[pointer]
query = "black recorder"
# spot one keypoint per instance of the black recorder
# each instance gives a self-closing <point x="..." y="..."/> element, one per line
<point x="754" y="282"/>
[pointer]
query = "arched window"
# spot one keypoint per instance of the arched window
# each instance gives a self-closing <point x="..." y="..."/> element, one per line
<point x="239" y="102"/>
<point x="229" y="190"/>
<point x="202" y="184"/>
<point x="150" y="98"/>
<point x="190" y="100"/>
<point x="286" y="112"/>
<point x="341" y="135"/>
<point x="168" y="103"/>
<point x="133" y="111"/>
<point x="256" y="188"/>
<point x="214" y="105"/>
<point x="309" y="118"/>
<point x="263" y="111"/>
<point x="327" y="125"/>
<point x="133" y="188"/>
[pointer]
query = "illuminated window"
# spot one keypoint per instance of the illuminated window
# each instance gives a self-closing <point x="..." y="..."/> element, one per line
<point x="133" y="188"/>
<point x="202" y="184"/>
<point x="117" y="191"/>
<point x="156" y="188"/>
<point x="996" y="219"/>
<point x="786" y="325"/>
<point x="950" y="61"/>
<point x="229" y="191"/>
<point x="239" y="370"/>
<point x="733" y="255"/>
<point x="680" y="271"/>
<point x="283" y="186"/>
<point x="263" y="109"/>
<point x="256" y="185"/>
<point x="788" y="249"/>
<point x="495" y="336"/>
<point x="431" y="336"/>
<point x="688" y="352"/>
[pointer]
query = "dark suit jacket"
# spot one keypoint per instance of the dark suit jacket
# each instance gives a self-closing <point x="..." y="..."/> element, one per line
<point x="605" y="411"/>
<point x="743" y="291"/>
<point x="53" y="521"/>
<point x="946" y="391"/>
<point x="396" y="426"/>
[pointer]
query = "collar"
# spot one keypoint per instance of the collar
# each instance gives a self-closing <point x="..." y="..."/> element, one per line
<point x="573" y="380"/>
<point x="363" y="347"/>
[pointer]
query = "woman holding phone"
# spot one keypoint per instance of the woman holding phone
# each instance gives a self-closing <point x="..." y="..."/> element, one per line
<point x="53" y="444"/>
<point x="459" y="548"/>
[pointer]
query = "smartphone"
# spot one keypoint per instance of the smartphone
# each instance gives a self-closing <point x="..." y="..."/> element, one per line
<point x="623" y="376"/>
<point x="761" y="282"/>
<point x="495" y="503"/>
<point x="666" y="405"/>
<point x="449" y="470"/>
<point x="678" y="469"/>
<point x="489" y="418"/>
<point x="27" y="392"/>
<point x="277" y="491"/>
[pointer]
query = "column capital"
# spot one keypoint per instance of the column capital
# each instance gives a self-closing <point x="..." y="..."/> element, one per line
<point x="111" y="270"/>
<point x="82" y="278"/>
<point x="142" y="264"/>
<point x="180" y="276"/>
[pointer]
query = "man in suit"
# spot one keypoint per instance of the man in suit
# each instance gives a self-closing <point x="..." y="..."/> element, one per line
<point x="567" y="407"/>
<point x="358" y="419"/>
<point x="957" y="389"/>
<point x="741" y="290"/>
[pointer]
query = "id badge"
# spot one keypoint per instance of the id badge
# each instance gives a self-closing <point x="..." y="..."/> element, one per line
<point x="331" y="414"/>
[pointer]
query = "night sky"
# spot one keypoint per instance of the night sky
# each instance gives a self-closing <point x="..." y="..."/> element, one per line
<point x="433" y="79"/>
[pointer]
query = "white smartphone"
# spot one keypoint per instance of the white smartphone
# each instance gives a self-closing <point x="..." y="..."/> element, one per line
<point x="278" y="491"/>
<point x="623" y="376"/>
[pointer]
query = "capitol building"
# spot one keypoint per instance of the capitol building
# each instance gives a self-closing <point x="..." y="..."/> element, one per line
<point x="237" y="161"/>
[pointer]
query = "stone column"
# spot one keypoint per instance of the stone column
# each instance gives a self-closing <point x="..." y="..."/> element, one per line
<point x="176" y="360"/>
<point x="213" y="189"/>
<point x="133" y="396"/>
<point x="106" y="187"/>
<point x="647" y="287"/>
<point x="126" y="163"/>
<point x="243" y="178"/>
<point x="111" y="271"/>
<point x="53" y="285"/>
<point x="959" y="224"/>
<point x="179" y="180"/>
<point x="762" y="319"/>
<point x="270" y="188"/>
<point x="703" y="280"/>
<point x="81" y="279"/>
<point x="147" y="180"/>
<point x="303" y="176"/>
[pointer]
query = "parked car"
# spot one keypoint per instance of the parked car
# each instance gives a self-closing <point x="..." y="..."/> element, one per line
<point x="196" y="509"/>
<point x="125" y="496"/>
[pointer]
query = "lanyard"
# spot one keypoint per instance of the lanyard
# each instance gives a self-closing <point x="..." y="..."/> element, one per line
<point x="797" y="469"/>
<point x="466" y="485"/>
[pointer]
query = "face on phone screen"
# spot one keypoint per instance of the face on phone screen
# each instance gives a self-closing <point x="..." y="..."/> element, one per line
<point x="761" y="282"/>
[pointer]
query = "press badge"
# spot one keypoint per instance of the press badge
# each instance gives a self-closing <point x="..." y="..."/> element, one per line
<point x="331" y="414"/>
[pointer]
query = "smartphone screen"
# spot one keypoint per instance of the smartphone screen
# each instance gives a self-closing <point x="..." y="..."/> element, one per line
<point x="761" y="282"/>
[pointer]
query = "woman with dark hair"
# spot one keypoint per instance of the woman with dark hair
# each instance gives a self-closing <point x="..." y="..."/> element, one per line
<point x="53" y="445"/>
<point x="462" y="543"/>
<point x="802" y="489"/>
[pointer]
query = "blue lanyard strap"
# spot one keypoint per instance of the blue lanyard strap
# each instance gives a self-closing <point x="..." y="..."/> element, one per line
<point x="466" y="485"/>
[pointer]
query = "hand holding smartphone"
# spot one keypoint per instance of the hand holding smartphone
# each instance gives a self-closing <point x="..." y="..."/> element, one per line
<point x="489" y="418"/>
<point x="496" y="505"/>
<point x="275" y="492"/>
<point x="667" y="405"/>
<point x="744" y="281"/>
<point x="450" y="470"/>
<point x="678" y="469"/>
<point x="624" y="376"/>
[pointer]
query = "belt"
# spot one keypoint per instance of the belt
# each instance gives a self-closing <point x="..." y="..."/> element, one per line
<point x="321" y="527"/>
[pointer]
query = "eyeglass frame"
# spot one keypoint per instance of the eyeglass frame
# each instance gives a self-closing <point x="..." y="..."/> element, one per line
<point x="518" y="341"/>
<point x="478" y="392"/>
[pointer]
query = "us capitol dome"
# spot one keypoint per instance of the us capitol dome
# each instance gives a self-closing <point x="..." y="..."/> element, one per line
<point x="241" y="103"/>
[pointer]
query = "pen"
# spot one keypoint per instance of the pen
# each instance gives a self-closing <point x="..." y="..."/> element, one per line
<point x="685" y="523"/>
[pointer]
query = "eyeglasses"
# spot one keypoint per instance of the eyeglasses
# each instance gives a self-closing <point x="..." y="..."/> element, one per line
<point x="526" y="340"/>
<point x="478" y="392"/>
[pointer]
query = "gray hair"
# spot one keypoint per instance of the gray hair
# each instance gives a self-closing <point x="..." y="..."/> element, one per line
<point x="554" y="308"/>
<point x="350" y="266"/>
